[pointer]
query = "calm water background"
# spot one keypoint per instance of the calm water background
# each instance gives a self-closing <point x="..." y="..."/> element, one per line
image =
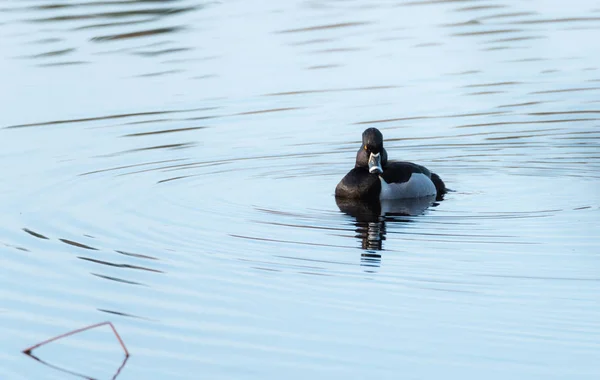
<point x="169" y="166"/>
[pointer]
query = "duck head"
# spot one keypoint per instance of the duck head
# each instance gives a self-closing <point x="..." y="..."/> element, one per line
<point x="372" y="154"/>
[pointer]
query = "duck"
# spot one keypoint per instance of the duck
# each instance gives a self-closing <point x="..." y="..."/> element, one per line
<point x="374" y="178"/>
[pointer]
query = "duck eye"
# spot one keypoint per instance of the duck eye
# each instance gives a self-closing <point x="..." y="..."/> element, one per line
<point x="365" y="147"/>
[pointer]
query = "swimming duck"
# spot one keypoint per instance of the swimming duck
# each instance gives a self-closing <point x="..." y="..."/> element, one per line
<point x="376" y="178"/>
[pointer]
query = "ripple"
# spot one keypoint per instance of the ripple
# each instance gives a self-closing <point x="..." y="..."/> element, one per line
<point x="107" y="117"/>
<point x="487" y="32"/>
<point x="163" y="131"/>
<point x="54" y="53"/>
<point x="331" y="90"/>
<point x="138" y="34"/>
<point x="37" y="235"/>
<point x="108" y="15"/>
<point x="557" y="20"/>
<point x="325" y="27"/>
<point x="566" y="90"/>
<point x="79" y="245"/>
<point x="199" y="215"/>
<point x="117" y="265"/>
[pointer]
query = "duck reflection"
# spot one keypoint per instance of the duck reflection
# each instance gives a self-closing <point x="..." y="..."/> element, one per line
<point x="371" y="219"/>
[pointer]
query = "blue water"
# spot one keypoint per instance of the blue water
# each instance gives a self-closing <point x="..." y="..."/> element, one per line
<point x="170" y="167"/>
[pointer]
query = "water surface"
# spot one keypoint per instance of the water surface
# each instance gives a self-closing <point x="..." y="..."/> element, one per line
<point x="170" y="167"/>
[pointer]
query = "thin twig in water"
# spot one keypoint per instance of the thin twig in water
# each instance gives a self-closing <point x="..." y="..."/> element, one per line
<point x="29" y="350"/>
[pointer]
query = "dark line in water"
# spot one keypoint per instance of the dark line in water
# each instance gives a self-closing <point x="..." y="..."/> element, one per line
<point x="174" y="178"/>
<point x="487" y="32"/>
<point x="135" y="48"/>
<point x="534" y="59"/>
<point x="53" y="53"/>
<point x="519" y="104"/>
<point x="301" y="226"/>
<point x="563" y="112"/>
<point x="428" y="44"/>
<point x="394" y="119"/>
<point x="557" y="20"/>
<point x="121" y="314"/>
<point x="97" y="4"/>
<point x="163" y="131"/>
<point x="117" y="116"/>
<point x="280" y="264"/>
<point x="471" y="241"/>
<point x="513" y="137"/>
<point x="492" y="84"/>
<point x="314" y="260"/>
<point x="64" y="63"/>
<point x="113" y="24"/>
<point x="46" y="40"/>
<point x="155" y="147"/>
<point x="514" y="39"/>
<point x="507" y="15"/>
<point x="118" y="279"/>
<point x="480" y="8"/>
<point x="429" y="117"/>
<point x="466" y="72"/>
<point x="159" y="73"/>
<point x="16" y="247"/>
<point x="152" y="121"/>
<point x="322" y="67"/>
<point x="302" y="92"/>
<point x="316" y="274"/>
<point x="523" y="122"/>
<point x="484" y="93"/>
<point x="131" y="166"/>
<point x="32" y="233"/>
<point x="137" y="255"/>
<point x="541" y="278"/>
<point x="127" y="266"/>
<point x="120" y="14"/>
<point x="448" y="290"/>
<point x="161" y="52"/>
<point x="461" y="24"/>
<point x="142" y="33"/>
<point x="267" y="269"/>
<point x="336" y="50"/>
<point x="566" y="90"/>
<point x="228" y="161"/>
<point x="76" y="244"/>
<point x="412" y="233"/>
<point x="496" y="48"/>
<point x="313" y="41"/>
<point x="431" y="2"/>
<point x="268" y="111"/>
<point x="288" y="241"/>
<point x="208" y="76"/>
<point x="324" y="27"/>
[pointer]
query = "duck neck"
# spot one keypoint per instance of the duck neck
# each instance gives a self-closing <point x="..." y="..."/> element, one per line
<point x="362" y="158"/>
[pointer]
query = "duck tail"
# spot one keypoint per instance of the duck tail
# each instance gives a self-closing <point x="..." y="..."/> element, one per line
<point x="440" y="187"/>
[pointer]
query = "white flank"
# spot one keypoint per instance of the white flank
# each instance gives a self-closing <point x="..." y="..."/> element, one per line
<point x="419" y="185"/>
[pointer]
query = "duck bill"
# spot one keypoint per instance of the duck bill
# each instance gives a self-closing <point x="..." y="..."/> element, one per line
<point x="375" y="164"/>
